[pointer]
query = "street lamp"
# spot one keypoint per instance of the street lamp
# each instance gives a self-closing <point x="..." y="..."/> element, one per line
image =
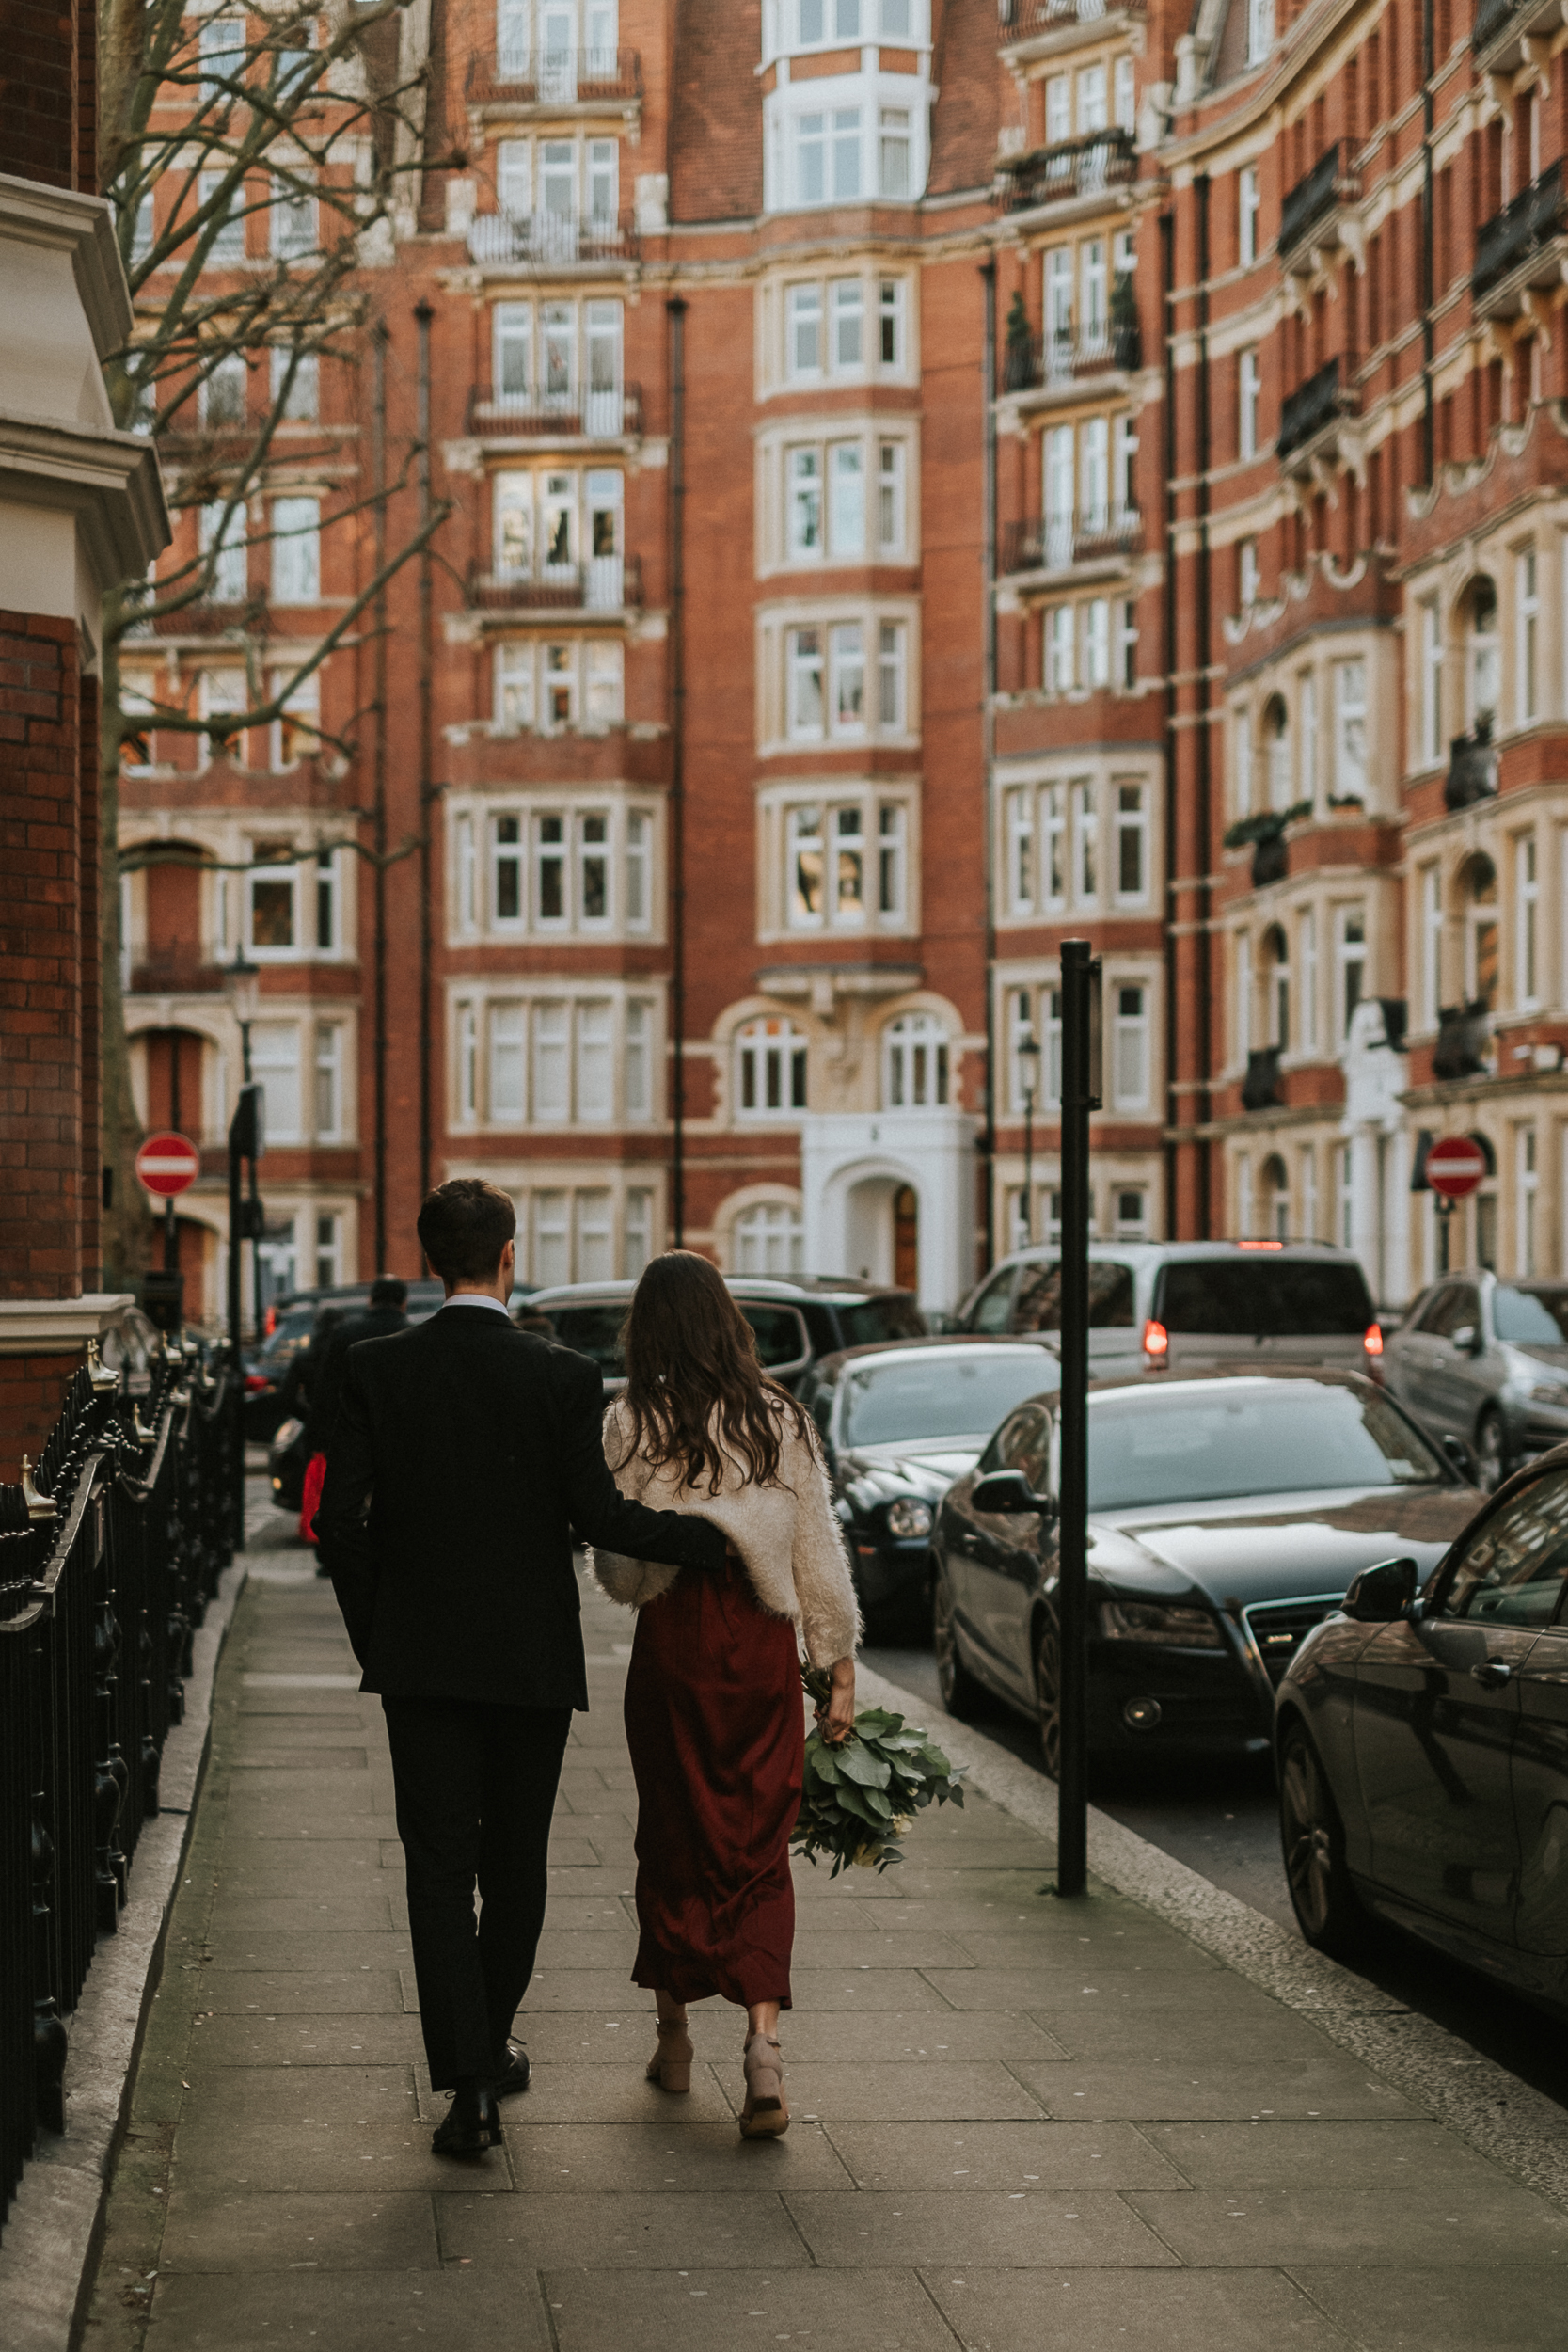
<point x="242" y="985"/>
<point x="1029" y="1076"/>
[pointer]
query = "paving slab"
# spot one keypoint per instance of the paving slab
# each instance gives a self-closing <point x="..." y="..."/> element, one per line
<point x="1154" y="2089"/>
<point x="361" y="1991"/>
<point x="1054" y="1987"/>
<point x="874" y="2310"/>
<point x="1358" y="2226"/>
<point x="626" y="2232"/>
<point x="961" y="2156"/>
<point x="1512" y="2307"/>
<point x="242" y="2230"/>
<point x="851" y="2091"/>
<point x="647" y="2159"/>
<point x="1270" y="2153"/>
<point x="1176" y="2311"/>
<point x="1019" y="2230"/>
<point x="562" y="2091"/>
<point x="353" y="2093"/>
<point x="355" y="2311"/>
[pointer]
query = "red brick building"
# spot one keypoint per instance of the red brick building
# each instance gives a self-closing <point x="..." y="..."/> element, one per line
<point x="80" y="509"/>
<point x="922" y="474"/>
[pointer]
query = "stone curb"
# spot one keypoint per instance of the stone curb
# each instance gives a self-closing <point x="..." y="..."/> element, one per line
<point x="49" y="2244"/>
<point x="1499" y="2116"/>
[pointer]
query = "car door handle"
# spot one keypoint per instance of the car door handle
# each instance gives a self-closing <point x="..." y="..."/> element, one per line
<point x="1492" y="1671"/>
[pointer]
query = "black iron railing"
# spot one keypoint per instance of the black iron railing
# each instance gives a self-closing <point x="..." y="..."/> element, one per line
<point x="1472" y="770"/>
<point x="525" y="76"/>
<point x="1017" y="19"/>
<point x="1491" y="17"/>
<point x="594" y="414"/>
<point x="1052" y="543"/>
<point x="1510" y="237"/>
<point x="548" y="240"/>
<point x="606" y="583"/>
<point x="1315" y="196"/>
<point x="109" y="1553"/>
<point x="1085" y="167"/>
<point x="1030" y="363"/>
<point x="1312" y="406"/>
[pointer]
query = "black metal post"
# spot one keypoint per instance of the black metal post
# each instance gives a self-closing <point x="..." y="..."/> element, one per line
<point x="1028" y="1164"/>
<point x="1080" y="973"/>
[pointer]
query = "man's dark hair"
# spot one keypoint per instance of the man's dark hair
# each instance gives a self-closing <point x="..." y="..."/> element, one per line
<point x="465" y="1226"/>
<point x="389" y="1290"/>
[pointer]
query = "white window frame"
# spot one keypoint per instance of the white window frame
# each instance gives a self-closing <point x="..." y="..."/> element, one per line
<point x="1129" y="1044"/>
<point x="296" y="528"/>
<point x="1249" y="205"/>
<point x="771" y="1067"/>
<point x="768" y="1237"/>
<point x="1526" y="922"/>
<point x="1132" y="824"/>
<point x="1351" y="749"/>
<point x="1430" y="683"/>
<point x="1432" y="943"/>
<point x="1527" y="636"/>
<point x="916" y="1054"/>
<point x="1350" y="954"/>
<point x="1306" y="989"/>
<point x="275" y="1045"/>
<point x="1249" y="394"/>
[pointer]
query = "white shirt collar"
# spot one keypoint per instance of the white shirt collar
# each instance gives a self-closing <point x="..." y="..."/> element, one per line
<point x="477" y="1298"/>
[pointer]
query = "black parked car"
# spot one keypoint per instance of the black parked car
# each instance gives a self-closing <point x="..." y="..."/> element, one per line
<point x="1228" y="1514"/>
<point x="1421" y="1738"/>
<point x="318" y="1311"/>
<point x="796" y="1319"/>
<point x="898" y="1424"/>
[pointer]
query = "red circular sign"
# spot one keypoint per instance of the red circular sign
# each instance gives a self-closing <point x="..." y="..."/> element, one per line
<point x="167" y="1164"/>
<point x="1455" y="1166"/>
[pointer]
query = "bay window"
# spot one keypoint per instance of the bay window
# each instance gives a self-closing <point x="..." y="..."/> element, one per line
<point x="845" y="864"/>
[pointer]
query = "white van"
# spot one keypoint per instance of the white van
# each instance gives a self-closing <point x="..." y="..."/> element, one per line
<point x="1190" y="1305"/>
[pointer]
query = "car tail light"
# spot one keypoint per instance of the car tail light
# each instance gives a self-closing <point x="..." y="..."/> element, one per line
<point x="256" y="1384"/>
<point x="1260" y="1245"/>
<point x="269" y="1321"/>
<point x="1374" y="1341"/>
<point x="1156" y="1341"/>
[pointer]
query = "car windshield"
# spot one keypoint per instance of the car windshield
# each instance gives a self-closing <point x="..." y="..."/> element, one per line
<point x="1263" y="1298"/>
<point x="893" y="1316"/>
<point x="1530" y="1318"/>
<point x="1252" y="1437"/>
<point x="958" y="1393"/>
<point x="593" y="1329"/>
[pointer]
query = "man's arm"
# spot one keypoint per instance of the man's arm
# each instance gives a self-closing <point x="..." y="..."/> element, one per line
<point x="341" y="1520"/>
<point x="601" y="1515"/>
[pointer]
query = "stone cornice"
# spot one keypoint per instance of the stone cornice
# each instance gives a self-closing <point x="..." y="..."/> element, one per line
<point x="108" y="480"/>
<point x="81" y="226"/>
<point x="58" y="1326"/>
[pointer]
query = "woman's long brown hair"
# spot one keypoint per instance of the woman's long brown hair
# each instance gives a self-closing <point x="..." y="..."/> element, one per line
<point x="693" y="1377"/>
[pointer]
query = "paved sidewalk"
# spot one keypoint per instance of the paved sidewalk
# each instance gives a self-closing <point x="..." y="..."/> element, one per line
<point x="1018" y="2122"/>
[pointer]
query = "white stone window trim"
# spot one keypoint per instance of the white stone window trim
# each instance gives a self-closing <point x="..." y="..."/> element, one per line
<point x="472" y="845"/>
<point x="777" y="804"/>
<point x="472" y="1010"/>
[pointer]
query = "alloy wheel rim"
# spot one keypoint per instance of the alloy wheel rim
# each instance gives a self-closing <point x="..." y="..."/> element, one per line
<point x="1048" y="1695"/>
<point x="942" y="1640"/>
<point x="1489" y="1449"/>
<point x="1308" y="1841"/>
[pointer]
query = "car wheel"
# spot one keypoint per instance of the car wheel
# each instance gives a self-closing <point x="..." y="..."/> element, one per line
<point x="1048" y="1693"/>
<point x="1492" y="1467"/>
<point x="1312" y="1839"/>
<point x="961" y="1694"/>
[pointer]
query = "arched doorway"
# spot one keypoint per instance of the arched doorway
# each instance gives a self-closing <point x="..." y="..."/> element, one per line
<point x="906" y="1238"/>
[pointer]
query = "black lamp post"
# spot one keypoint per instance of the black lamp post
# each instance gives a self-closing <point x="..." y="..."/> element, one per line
<point x="242" y="985"/>
<point x="1029" y="1078"/>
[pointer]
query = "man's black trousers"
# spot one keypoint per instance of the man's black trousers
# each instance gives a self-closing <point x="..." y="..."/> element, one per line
<point x="475" y="1790"/>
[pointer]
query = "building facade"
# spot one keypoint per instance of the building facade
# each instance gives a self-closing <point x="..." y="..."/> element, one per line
<point x="917" y="480"/>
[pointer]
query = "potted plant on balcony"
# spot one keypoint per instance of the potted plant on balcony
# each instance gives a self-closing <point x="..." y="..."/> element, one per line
<point x="1265" y="833"/>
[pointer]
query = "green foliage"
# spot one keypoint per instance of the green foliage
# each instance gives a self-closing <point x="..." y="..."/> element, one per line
<point x="857" y="1800"/>
<point x="1267" y="826"/>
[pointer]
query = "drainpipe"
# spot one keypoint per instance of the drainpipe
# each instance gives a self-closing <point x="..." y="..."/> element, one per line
<point x="378" y="461"/>
<point x="675" y="310"/>
<point x="423" y="313"/>
<point x="1169" y="653"/>
<point x="1428" y="111"/>
<point x="987" y="731"/>
<point x="1204" y="1023"/>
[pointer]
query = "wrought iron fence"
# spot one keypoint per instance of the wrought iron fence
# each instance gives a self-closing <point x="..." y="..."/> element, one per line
<point x="1533" y="219"/>
<point x="1082" y="167"/>
<point x="109" y="1553"/>
<point x="1315" y="194"/>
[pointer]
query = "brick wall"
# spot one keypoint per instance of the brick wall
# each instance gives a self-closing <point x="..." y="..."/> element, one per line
<point x="32" y="1391"/>
<point x="48" y="923"/>
<point x="48" y="95"/>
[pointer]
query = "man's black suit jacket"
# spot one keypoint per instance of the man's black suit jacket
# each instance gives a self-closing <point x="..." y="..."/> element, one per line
<point x="478" y="1450"/>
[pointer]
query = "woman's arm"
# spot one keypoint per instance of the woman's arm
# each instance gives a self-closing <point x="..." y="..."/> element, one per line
<point x="830" y="1619"/>
<point x="837" y="1717"/>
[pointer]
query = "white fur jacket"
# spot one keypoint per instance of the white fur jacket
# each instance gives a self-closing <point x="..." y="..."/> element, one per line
<point x="787" y="1535"/>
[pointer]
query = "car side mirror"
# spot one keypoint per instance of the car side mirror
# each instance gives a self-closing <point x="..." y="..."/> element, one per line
<point x="1005" y="1491"/>
<point x="1381" y="1595"/>
<point x="1467" y="1341"/>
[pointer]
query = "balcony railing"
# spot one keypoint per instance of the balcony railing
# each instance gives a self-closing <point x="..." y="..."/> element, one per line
<point x="1312" y="407"/>
<point x="107" y="1563"/>
<point x="172" y="972"/>
<point x="1523" y="227"/>
<point x="553" y="240"/>
<point x="1315" y="196"/>
<point x="1464" y="1037"/>
<point x="596" y="416"/>
<point x="1085" y="167"/>
<point x="1260" y="1087"/>
<point x="211" y="618"/>
<point x="606" y="583"/>
<point x="1472" y="770"/>
<point x="1491" y="17"/>
<point x="554" y="77"/>
<point x="1030" y="363"/>
<point x="1055" y="543"/>
<point x="1019" y="19"/>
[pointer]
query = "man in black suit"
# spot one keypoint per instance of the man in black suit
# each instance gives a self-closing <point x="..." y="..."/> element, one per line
<point x="464" y="1454"/>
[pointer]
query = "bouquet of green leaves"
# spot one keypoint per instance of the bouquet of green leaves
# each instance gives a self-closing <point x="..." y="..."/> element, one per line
<point x="859" y="1799"/>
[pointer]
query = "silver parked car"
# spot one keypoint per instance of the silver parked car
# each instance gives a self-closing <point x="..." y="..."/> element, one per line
<point x="1195" y="1306"/>
<point x="1487" y="1361"/>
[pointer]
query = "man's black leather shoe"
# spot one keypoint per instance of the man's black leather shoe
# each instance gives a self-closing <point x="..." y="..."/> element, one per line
<point x="513" y="2074"/>
<point x="472" y="2125"/>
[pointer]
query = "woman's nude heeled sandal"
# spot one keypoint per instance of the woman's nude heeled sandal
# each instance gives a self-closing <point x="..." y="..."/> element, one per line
<point x="670" y="2063"/>
<point x="766" y="2113"/>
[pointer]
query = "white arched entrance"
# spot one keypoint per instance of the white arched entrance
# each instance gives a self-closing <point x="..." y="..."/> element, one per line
<point x="891" y="1197"/>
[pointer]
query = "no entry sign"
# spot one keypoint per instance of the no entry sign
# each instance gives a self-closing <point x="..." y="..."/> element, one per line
<point x="1455" y="1166"/>
<point x="168" y="1165"/>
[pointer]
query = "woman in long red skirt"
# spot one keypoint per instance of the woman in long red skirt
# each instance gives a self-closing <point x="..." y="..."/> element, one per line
<point x="714" y="1714"/>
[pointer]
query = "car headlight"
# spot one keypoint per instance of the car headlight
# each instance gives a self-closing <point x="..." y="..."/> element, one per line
<point x="1175" y="1627"/>
<point x="286" y="1435"/>
<point x="907" y="1518"/>
<point x="1549" y="1392"/>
